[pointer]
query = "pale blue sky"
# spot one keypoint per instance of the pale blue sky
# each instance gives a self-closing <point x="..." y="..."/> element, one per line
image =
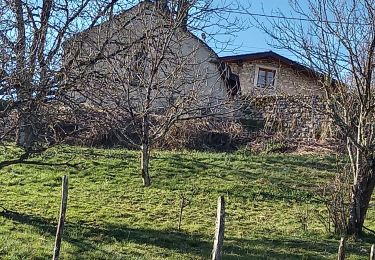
<point x="252" y="39"/>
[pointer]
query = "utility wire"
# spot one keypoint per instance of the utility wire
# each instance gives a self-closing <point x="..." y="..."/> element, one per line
<point x="296" y="18"/>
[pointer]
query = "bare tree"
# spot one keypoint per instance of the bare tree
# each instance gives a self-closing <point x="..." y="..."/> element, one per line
<point x="337" y="39"/>
<point x="32" y="33"/>
<point x="152" y="73"/>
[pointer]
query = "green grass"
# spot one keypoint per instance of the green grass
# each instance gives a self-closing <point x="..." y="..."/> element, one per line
<point x="111" y="216"/>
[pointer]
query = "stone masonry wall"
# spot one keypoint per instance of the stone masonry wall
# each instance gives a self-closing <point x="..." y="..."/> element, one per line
<point x="300" y="117"/>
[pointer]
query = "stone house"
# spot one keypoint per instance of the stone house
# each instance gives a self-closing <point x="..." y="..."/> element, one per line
<point x="137" y="74"/>
<point x="283" y="96"/>
<point x="145" y="46"/>
<point x="144" y="52"/>
<point x="270" y="74"/>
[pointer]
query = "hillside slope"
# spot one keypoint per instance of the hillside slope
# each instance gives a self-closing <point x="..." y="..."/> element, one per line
<point x="271" y="209"/>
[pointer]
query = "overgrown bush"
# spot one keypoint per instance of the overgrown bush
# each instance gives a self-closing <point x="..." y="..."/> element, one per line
<point x="274" y="146"/>
<point x="95" y="128"/>
<point x="204" y="134"/>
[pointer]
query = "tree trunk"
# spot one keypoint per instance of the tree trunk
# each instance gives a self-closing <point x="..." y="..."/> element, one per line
<point x="360" y="199"/>
<point x="341" y="253"/>
<point x="25" y="133"/>
<point x="145" y="161"/>
<point x="145" y="150"/>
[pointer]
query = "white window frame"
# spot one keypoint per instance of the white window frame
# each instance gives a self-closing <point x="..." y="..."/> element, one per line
<point x="259" y="67"/>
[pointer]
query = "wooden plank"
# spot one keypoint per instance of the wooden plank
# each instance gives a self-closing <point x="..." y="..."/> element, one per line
<point x="60" y="225"/>
<point x="219" y="232"/>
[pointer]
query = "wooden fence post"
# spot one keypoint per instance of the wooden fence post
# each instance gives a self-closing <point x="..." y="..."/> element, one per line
<point x="341" y="253"/>
<point x="60" y="225"/>
<point x="372" y="254"/>
<point x="219" y="232"/>
<point x="182" y="205"/>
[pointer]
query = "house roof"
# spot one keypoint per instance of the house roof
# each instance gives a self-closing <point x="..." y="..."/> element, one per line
<point x="146" y="5"/>
<point x="269" y="55"/>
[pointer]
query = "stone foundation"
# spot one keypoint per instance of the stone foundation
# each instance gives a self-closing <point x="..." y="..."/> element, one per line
<point x="300" y="117"/>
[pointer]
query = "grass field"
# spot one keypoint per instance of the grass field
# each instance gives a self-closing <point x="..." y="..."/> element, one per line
<point x="111" y="216"/>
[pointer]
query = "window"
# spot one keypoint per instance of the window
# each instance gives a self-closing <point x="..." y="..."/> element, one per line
<point x="266" y="78"/>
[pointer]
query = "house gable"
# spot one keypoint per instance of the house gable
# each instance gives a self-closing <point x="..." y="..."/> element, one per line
<point x="189" y="65"/>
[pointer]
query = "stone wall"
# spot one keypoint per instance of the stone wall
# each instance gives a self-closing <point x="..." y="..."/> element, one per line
<point x="300" y="117"/>
<point x="288" y="80"/>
